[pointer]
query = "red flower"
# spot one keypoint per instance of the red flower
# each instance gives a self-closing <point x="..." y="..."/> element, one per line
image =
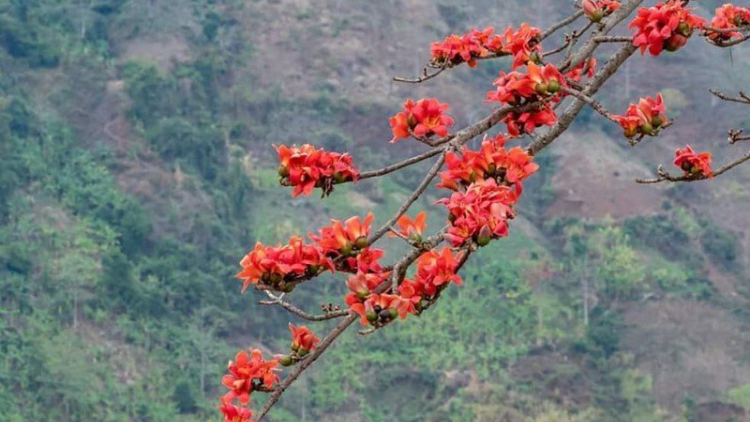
<point x="344" y="239"/>
<point x="481" y="213"/>
<point x="666" y="26"/>
<point x="587" y="66"/>
<point x="422" y="119"/>
<point x="524" y="45"/>
<point x="434" y="269"/>
<point x="491" y="161"/>
<point x="527" y="122"/>
<point x="457" y="49"/>
<point x="595" y="10"/>
<point x="362" y="284"/>
<point x="247" y="374"/>
<point x="303" y="339"/>
<point x="645" y="118"/>
<point x="306" y="168"/>
<point x="234" y="413"/>
<point x="692" y="163"/>
<point x="515" y="87"/>
<point x="381" y="309"/>
<point x="728" y="17"/>
<point x="274" y="266"/>
<point x="412" y="229"/>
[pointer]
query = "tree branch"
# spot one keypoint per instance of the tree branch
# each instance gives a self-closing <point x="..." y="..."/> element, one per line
<point x="277" y="300"/>
<point x="664" y="176"/>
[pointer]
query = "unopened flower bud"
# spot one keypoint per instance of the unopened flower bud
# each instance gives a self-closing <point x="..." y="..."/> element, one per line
<point x="347" y="249"/>
<point x="657" y="122"/>
<point x="303" y="352"/>
<point x="554" y="86"/>
<point x="363" y="295"/>
<point x="283" y="171"/>
<point x="596" y="16"/>
<point x="371" y="316"/>
<point x="394" y="313"/>
<point x="361" y="242"/>
<point x="684" y="29"/>
<point x="339" y="178"/>
<point x="385" y="314"/>
<point x="541" y="89"/>
<point x="286" y="360"/>
<point x="647" y="129"/>
<point x="630" y="132"/>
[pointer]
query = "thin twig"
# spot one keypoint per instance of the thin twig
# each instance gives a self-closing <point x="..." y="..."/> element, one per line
<point x="664" y="176"/>
<point x="400" y="165"/>
<point x="425" y="76"/>
<point x="277" y="300"/>
<point x="411" y="199"/>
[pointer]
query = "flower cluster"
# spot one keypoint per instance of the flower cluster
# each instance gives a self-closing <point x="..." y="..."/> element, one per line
<point x="517" y="88"/>
<point x="246" y="374"/>
<point x="381" y="309"/>
<point x="435" y="270"/>
<point x="421" y="119"/>
<point x="727" y="18"/>
<point x="457" y="49"/>
<point x="666" y="26"/>
<point x="306" y="168"/>
<point x="692" y="163"/>
<point x="481" y="213"/>
<point x="279" y="267"/>
<point x="347" y="244"/>
<point x="595" y="10"/>
<point x="524" y="45"/>
<point x="645" y="118"/>
<point x="466" y="48"/>
<point x="492" y="161"/>
<point x="526" y="122"/>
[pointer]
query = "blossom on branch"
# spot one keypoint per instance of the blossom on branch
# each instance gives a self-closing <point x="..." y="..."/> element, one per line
<point x="517" y="88"/>
<point x="727" y="18"/>
<point x="457" y="49"/>
<point x="380" y="309"/>
<point x="303" y="339"/>
<point x="248" y="374"/>
<point x="233" y="413"/>
<point x="278" y="267"/>
<point x="666" y="26"/>
<point x="692" y="163"/>
<point x="421" y="119"/>
<point x="306" y="168"/>
<point x="344" y="238"/>
<point x="412" y="229"/>
<point x="587" y="67"/>
<point x="493" y="161"/>
<point x="481" y="213"/>
<point x="524" y="45"/>
<point x="595" y="10"/>
<point x="527" y="122"/>
<point x="435" y="269"/>
<point x="645" y="118"/>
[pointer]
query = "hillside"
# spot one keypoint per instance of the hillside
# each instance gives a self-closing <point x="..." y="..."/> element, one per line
<point x="136" y="168"/>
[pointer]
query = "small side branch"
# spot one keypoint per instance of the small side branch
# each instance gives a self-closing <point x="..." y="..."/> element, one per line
<point x="278" y="300"/>
<point x="425" y="76"/>
<point x="400" y="165"/>
<point x="591" y="102"/>
<point x="664" y="176"/>
<point x="409" y="201"/>
<point x="742" y="98"/>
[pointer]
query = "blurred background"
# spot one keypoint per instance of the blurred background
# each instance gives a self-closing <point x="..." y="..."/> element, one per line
<point x="136" y="169"/>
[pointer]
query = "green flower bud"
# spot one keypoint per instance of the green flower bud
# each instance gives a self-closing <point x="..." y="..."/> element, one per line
<point x="361" y="242"/>
<point x="371" y="316"/>
<point x="647" y="129"/>
<point x="363" y="295"/>
<point x="283" y="171"/>
<point x="554" y="86"/>
<point x="657" y="122"/>
<point x="541" y="89"/>
<point x="286" y="360"/>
